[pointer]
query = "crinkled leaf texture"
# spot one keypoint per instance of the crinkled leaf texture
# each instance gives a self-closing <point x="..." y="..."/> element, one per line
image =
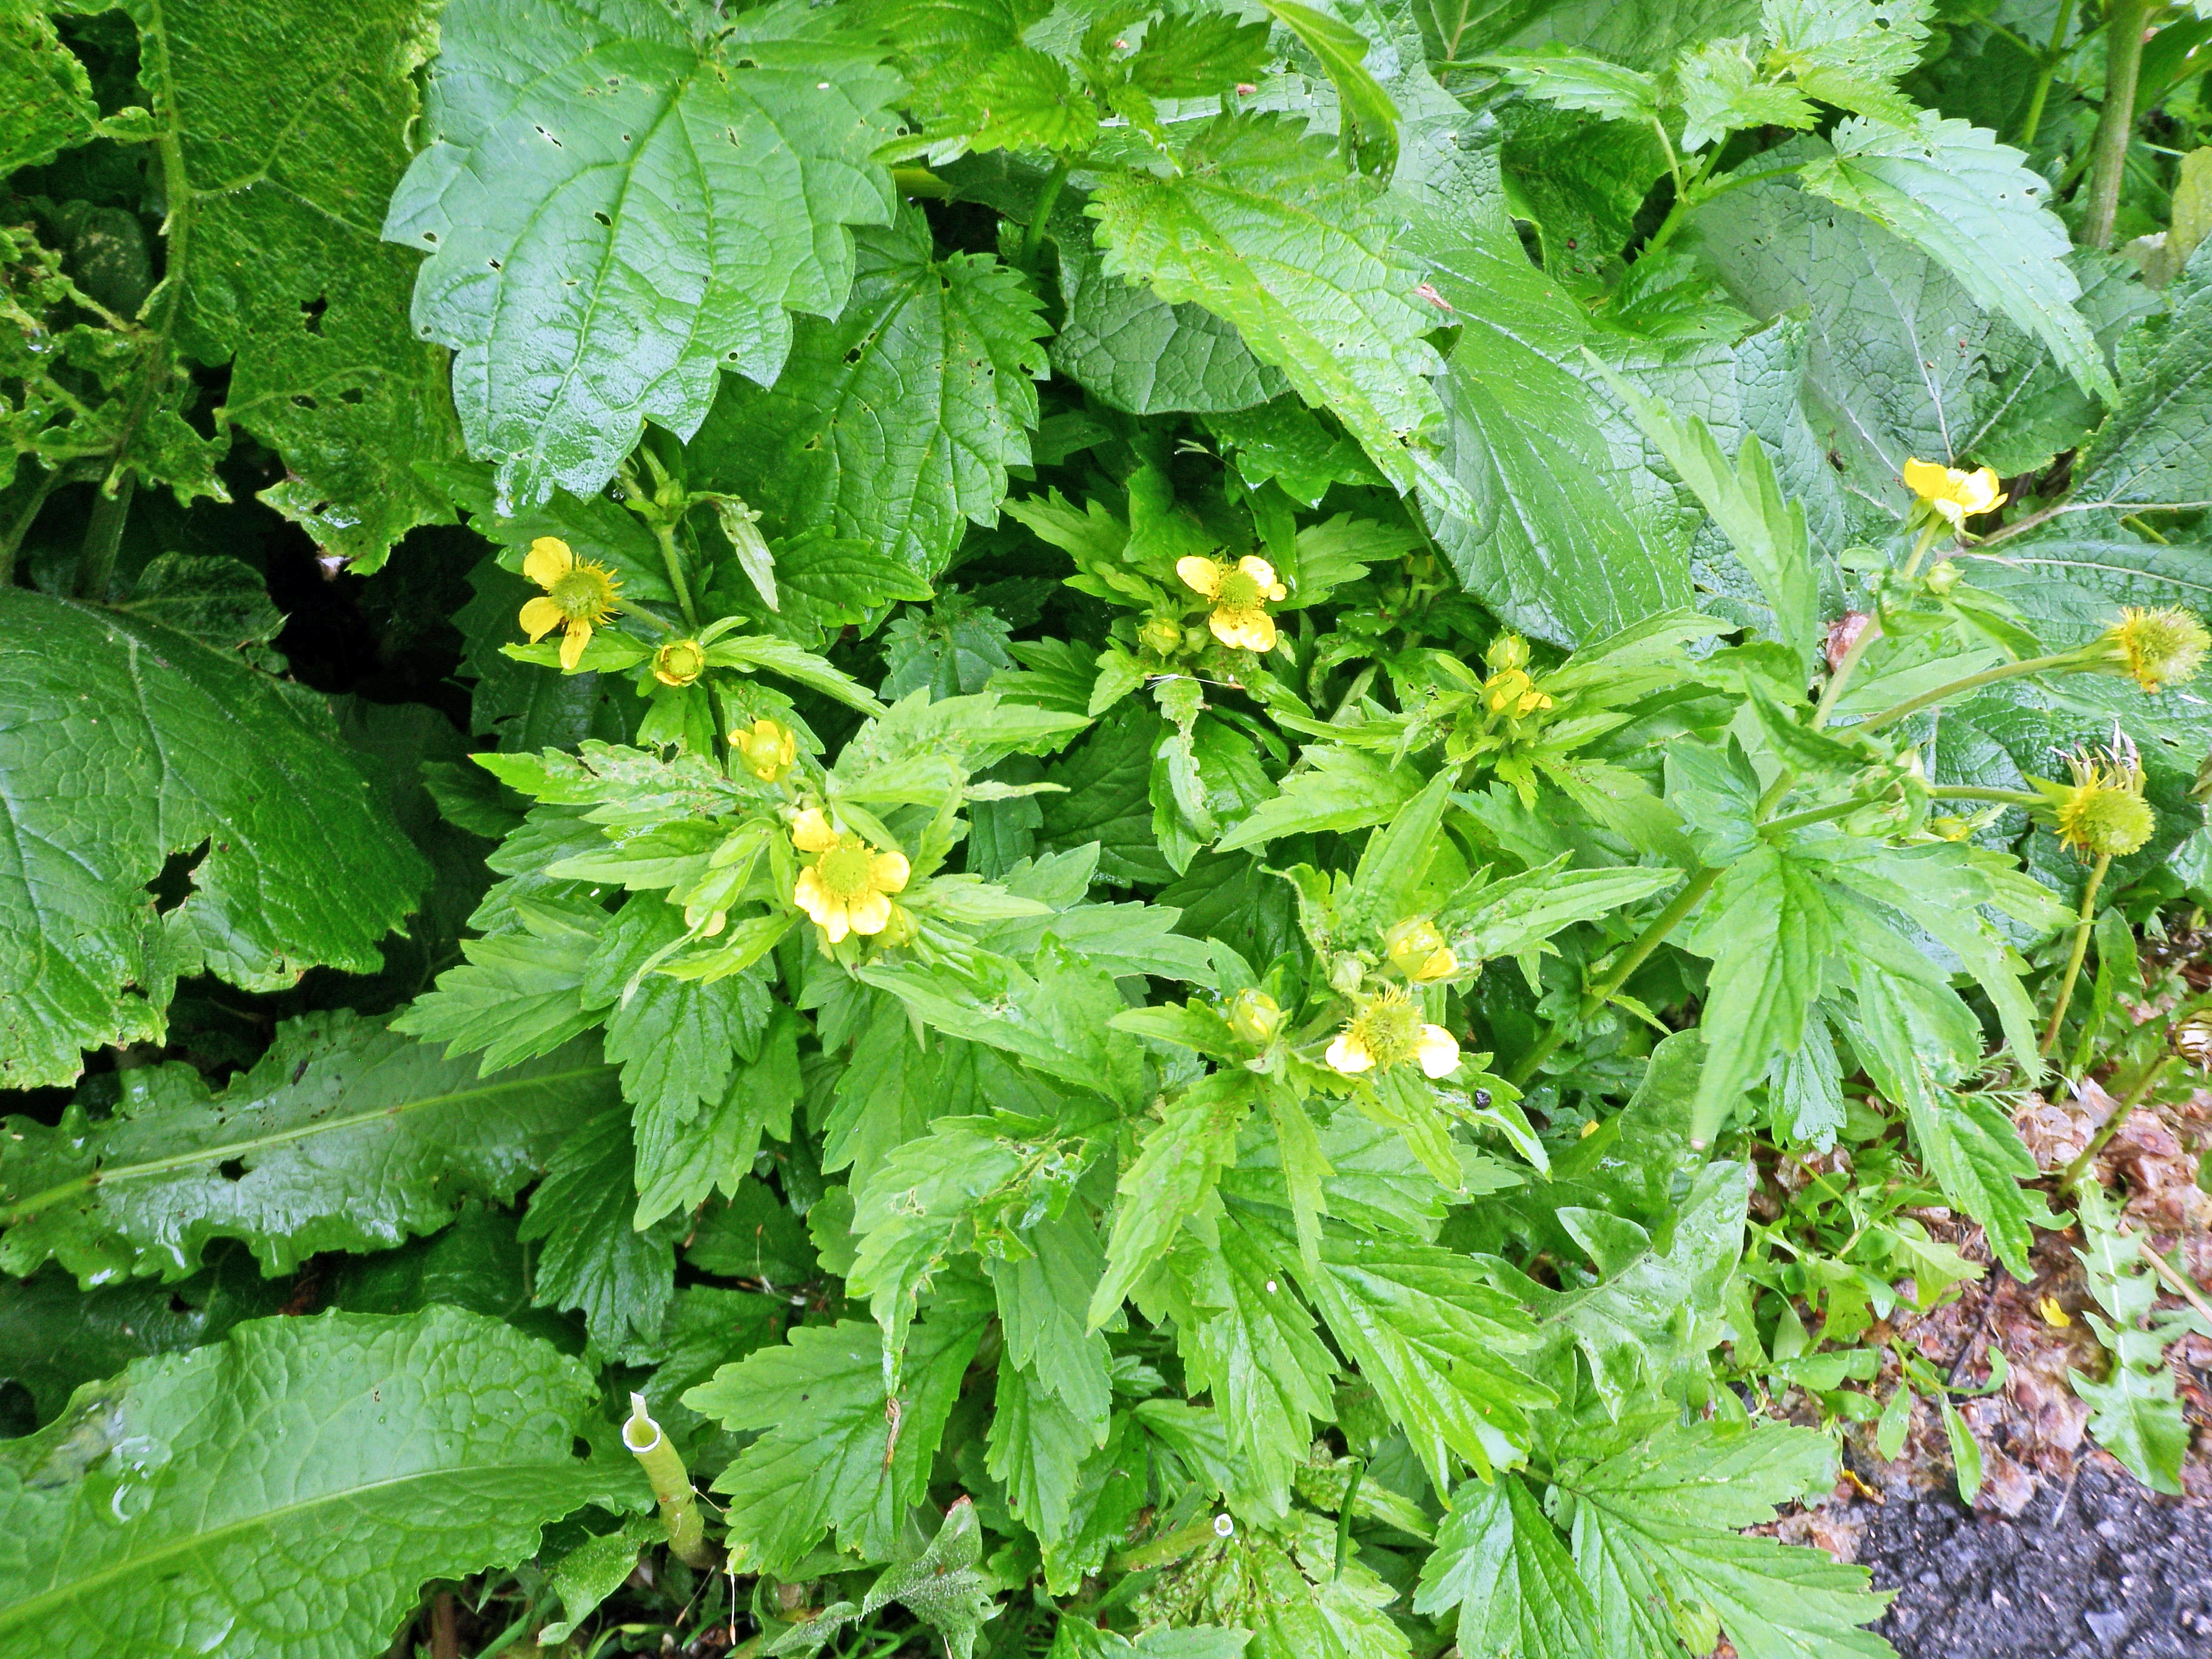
<point x="123" y="742"/>
<point x="895" y="423"/>
<point x="288" y="1490"/>
<point x="346" y="1136"/>
<point x="623" y="199"/>
<point x="1264" y="226"/>
<point x="291" y="120"/>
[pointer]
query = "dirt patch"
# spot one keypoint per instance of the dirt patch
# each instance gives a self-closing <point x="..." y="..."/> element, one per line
<point x="2096" y="1568"/>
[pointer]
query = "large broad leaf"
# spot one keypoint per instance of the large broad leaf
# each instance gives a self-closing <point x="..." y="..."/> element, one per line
<point x="289" y="1490"/>
<point x="345" y="1137"/>
<point x="2155" y="449"/>
<point x="621" y="200"/>
<point x="896" y="423"/>
<point x="290" y="121"/>
<point x="1952" y="190"/>
<point x="1502" y="1564"/>
<point x="1564" y="529"/>
<point x="1264" y="226"/>
<point x="1131" y="348"/>
<point x="122" y="744"/>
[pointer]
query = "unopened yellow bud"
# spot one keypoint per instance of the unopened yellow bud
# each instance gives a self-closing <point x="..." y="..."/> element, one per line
<point x="1255" y="1016"/>
<point x="1162" y="635"/>
<point x="679" y="662"/>
<point x="1418" y="951"/>
<point x="767" y="747"/>
<point x="1507" y="651"/>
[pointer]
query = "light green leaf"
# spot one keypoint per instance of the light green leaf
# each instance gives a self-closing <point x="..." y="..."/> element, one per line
<point x="1369" y="118"/>
<point x="1041" y="1301"/>
<point x="122" y="744"/>
<point x="836" y="1452"/>
<point x="1724" y="91"/>
<point x="2152" y="449"/>
<point x="1055" y="1019"/>
<point x="344" y="1136"/>
<point x="626" y="186"/>
<point x="1952" y="190"/>
<point x="45" y="98"/>
<point x="1037" y="1444"/>
<point x="622" y="1279"/>
<point x="1487" y="919"/>
<point x="2134" y="1413"/>
<point x="680" y="1160"/>
<point x="1502" y="1564"/>
<point x="520" y="994"/>
<point x="1264" y="227"/>
<point x="943" y="1586"/>
<point x="289" y="1489"/>
<point x="1850" y="55"/>
<point x="1171" y="1179"/>
<point x="1429" y="1335"/>
<point x="1344" y="789"/>
<point x="1774" y="926"/>
<point x="1577" y="81"/>
<point x="893" y="424"/>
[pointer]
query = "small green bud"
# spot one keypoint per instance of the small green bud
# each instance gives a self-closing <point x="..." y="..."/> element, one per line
<point x="1255" y="1016"/>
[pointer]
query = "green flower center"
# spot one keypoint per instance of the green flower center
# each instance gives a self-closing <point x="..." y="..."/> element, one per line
<point x="1392" y="1029"/>
<point x="2108" y="822"/>
<point x="847" y="871"/>
<point x="580" y="594"/>
<point x="1238" y="590"/>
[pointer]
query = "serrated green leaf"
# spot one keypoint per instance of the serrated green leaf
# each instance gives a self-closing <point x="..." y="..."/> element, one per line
<point x="344" y="1136"/>
<point x="291" y="1488"/>
<point x="2152" y="449"/>
<point x="628" y="184"/>
<point x="1041" y="1300"/>
<point x="620" y="1278"/>
<point x="1578" y="80"/>
<point x="1037" y="1444"/>
<point x="943" y="1586"/>
<point x="122" y="744"/>
<point x="893" y="424"/>
<point x="837" y="1451"/>
<point x="1952" y="190"/>
<point x="1346" y="789"/>
<point x="1502" y="1564"/>
<point x="2134" y="1413"/>
<point x="1264" y="227"/>
<point x="1368" y="118"/>
<point x="1724" y="91"/>
<point x="1171" y="1179"/>
<point x="521" y="994"/>
<point x="679" y="1162"/>
<point x="45" y="98"/>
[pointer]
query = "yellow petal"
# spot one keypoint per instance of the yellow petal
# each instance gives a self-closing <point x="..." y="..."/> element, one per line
<point x="811" y="832"/>
<point x="1978" y="493"/>
<point x="571" y="647"/>
<point x="1349" y="1055"/>
<point x="1248" y="631"/>
<point x="1439" y="1051"/>
<point x="889" y="875"/>
<point x="540" y="617"/>
<point x="868" y="913"/>
<point x="836" y="922"/>
<point x="1263" y="573"/>
<point x="548" y="560"/>
<point x="1202" y="576"/>
<point x="1927" y="479"/>
<point x="807" y="892"/>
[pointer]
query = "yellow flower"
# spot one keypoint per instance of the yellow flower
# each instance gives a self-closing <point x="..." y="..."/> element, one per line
<point x="1512" y="689"/>
<point x="678" y="662"/>
<point x="580" y="595"/>
<point x="2103" y="813"/>
<point x="2052" y="1313"/>
<point x="848" y="887"/>
<point x="1951" y="493"/>
<point x="2157" y="648"/>
<point x="1418" y="951"/>
<point x="1239" y="593"/>
<point x="768" y="748"/>
<point x="1387" y="1032"/>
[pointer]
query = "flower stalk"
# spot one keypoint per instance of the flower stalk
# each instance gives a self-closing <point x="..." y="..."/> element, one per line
<point x="2124" y="44"/>
<point x="2080" y="949"/>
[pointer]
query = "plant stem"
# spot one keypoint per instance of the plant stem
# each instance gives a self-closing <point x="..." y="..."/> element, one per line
<point x="1817" y="815"/>
<point x="2181" y="1285"/>
<point x="1842" y="677"/>
<point x="664" y="531"/>
<point x="2080" y="1166"/>
<point x="1173" y="1546"/>
<point x="1344" y="1516"/>
<point x="20" y="526"/>
<point x="2124" y="44"/>
<point x="671" y="1487"/>
<point x="1047" y="198"/>
<point x="2088" y="916"/>
<point x="2008" y="670"/>
<point x="103" y="535"/>
<point x="445" y="1628"/>
<point x="1601" y="992"/>
<point x="1968" y="792"/>
<point x="2032" y="122"/>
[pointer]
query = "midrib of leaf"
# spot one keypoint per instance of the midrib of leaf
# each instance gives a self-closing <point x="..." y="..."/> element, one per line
<point x="674" y="96"/>
<point x="2063" y="566"/>
<point x="61" y="1594"/>
<point x="30" y="1206"/>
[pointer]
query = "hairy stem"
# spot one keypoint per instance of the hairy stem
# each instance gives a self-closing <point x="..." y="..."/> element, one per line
<point x="2088" y="918"/>
<point x="2080" y="1166"/>
<point x="20" y="526"/>
<point x="1968" y="792"/>
<point x="2046" y="67"/>
<point x="1601" y="992"/>
<point x="664" y="531"/>
<point x="103" y="535"/>
<point x="1047" y="198"/>
<point x="2007" y="671"/>
<point x="2124" y="44"/>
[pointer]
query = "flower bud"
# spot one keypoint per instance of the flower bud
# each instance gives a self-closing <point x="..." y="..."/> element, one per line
<point x="1254" y="1017"/>
<point x="1507" y="653"/>
<point x="1418" y="951"/>
<point x="1943" y="577"/>
<point x="1194" y="638"/>
<point x="767" y="747"/>
<point x="1162" y="635"/>
<point x="1345" y="974"/>
<point x="2155" y="649"/>
<point x="679" y="662"/>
